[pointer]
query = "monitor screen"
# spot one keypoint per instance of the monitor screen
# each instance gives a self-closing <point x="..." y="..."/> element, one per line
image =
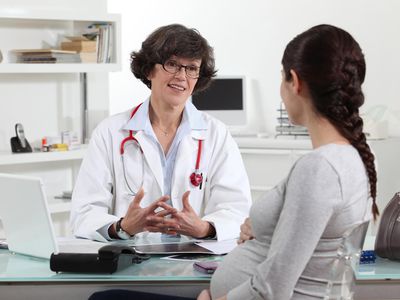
<point x="224" y="99"/>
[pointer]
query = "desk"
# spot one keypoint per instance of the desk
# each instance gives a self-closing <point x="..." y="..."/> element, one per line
<point x="378" y="281"/>
<point x="23" y="277"/>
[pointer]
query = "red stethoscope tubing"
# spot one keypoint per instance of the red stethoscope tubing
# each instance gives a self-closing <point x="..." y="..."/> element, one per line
<point x="130" y="137"/>
<point x="196" y="178"/>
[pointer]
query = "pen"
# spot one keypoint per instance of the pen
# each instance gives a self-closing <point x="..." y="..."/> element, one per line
<point x="201" y="183"/>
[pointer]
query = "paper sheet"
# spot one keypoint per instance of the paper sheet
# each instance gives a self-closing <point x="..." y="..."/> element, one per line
<point x="219" y="247"/>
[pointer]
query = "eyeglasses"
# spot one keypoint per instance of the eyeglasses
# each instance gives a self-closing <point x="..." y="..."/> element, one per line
<point x="173" y="67"/>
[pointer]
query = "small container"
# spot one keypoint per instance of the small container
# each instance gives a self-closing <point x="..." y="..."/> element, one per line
<point x="66" y="137"/>
<point x="45" y="146"/>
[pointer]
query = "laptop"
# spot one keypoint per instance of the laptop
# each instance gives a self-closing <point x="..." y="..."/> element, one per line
<point x="27" y="223"/>
<point x="185" y="248"/>
<point x="25" y="216"/>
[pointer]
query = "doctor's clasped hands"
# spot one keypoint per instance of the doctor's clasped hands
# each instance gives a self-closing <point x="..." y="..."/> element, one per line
<point x="167" y="220"/>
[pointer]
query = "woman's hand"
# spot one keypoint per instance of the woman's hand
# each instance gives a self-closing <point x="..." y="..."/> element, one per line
<point x="246" y="232"/>
<point x="189" y="223"/>
<point x="137" y="218"/>
<point x="205" y="295"/>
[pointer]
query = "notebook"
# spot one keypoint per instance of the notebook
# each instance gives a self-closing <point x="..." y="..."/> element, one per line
<point x="27" y="222"/>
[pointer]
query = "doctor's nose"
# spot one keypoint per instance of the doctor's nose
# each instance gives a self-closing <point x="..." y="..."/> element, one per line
<point x="181" y="74"/>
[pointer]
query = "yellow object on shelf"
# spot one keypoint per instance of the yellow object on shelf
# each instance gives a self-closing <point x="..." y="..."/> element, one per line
<point x="59" y="147"/>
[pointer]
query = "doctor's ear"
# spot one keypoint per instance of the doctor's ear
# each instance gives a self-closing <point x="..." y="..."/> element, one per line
<point x="150" y="75"/>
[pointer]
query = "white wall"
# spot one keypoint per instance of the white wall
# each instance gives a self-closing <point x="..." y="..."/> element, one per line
<point x="249" y="38"/>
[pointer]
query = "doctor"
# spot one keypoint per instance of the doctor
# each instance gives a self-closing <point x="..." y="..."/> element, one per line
<point x="163" y="166"/>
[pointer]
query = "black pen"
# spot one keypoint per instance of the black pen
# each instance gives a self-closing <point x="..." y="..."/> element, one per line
<point x="201" y="183"/>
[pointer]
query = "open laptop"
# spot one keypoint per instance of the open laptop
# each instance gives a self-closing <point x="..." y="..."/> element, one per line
<point x="27" y="222"/>
<point x="25" y="216"/>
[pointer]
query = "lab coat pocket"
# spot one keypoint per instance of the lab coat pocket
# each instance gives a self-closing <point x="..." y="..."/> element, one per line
<point x="197" y="194"/>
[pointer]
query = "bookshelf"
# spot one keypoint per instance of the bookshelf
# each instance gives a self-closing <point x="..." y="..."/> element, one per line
<point x="46" y="30"/>
<point x="50" y="97"/>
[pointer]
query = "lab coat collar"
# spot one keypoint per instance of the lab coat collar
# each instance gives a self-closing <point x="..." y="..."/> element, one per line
<point x="138" y="122"/>
<point x="195" y="118"/>
<point x="197" y="122"/>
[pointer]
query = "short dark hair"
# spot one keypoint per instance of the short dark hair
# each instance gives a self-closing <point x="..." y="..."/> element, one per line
<point x="170" y="40"/>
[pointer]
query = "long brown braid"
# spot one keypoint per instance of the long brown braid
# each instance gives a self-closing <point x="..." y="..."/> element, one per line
<point x="332" y="64"/>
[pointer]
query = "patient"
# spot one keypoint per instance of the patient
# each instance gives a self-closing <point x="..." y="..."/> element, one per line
<point x="297" y="226"/>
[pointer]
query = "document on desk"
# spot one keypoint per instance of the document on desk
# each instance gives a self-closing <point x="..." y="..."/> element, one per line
<point x="153" y="243"/>
<point x="219" y="247"/>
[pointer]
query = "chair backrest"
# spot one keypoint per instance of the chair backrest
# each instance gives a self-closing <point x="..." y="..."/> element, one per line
<point x="342" y="278"/>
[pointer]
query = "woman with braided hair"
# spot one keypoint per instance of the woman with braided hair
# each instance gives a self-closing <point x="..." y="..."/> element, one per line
<point x="291" y="238"/>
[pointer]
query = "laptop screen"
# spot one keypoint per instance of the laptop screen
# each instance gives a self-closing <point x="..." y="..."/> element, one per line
<point x="25" y="216"/>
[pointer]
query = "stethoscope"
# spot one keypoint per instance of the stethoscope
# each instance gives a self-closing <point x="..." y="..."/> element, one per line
<point x="196" y="178"/>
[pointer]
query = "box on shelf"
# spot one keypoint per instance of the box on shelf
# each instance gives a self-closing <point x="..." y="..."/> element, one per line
<point x="79" y="44"/>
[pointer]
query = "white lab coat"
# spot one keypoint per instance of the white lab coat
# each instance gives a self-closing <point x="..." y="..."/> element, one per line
<point x="101" y="197"/>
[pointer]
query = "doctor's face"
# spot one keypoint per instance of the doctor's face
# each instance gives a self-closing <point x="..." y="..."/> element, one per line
<point x="173" y="82"/>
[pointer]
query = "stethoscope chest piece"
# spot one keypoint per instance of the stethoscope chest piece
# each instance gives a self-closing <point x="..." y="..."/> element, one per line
<point x="196" y="179"/>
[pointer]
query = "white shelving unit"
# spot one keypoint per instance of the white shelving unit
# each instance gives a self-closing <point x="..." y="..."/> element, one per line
<point x="45" y="161"/>
<point x="35" y="31"/>
<point x="8" y="158"/>
<point x="24" y="29"/>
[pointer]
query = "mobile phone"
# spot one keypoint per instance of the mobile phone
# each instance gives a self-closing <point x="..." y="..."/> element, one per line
<point x="207" y="267"/>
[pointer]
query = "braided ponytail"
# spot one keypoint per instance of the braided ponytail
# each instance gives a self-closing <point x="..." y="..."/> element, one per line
<point x="351" y="128"/>
<point x="332" y="63"/>
<point x="341" y="107"/>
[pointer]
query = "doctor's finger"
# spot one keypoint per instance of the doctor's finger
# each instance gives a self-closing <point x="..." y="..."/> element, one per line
<point x="162" y="230"/>
<point x="165" y="212"/>
<point x="154" y="205"/>
<point x="185" y="201"/>
<point x="139" y="196"/>
<point x="161" y="227"/>
<point x="169" y="208"/>
<point x="162" y="222"/>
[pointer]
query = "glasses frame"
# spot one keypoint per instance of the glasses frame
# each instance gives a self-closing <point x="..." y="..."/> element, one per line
<point x="179" y="67"/>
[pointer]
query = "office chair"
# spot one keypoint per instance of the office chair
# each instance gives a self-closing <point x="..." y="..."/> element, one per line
<point x="341" y="283"/>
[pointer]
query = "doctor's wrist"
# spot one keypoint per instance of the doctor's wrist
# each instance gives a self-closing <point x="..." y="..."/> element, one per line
<point x="112" y="232"/>
<point x="209" y="232"/>
<point x="116" y="231"/>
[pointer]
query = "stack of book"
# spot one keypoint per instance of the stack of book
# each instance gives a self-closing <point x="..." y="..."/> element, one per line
<point x="86" y="48"/>
<point x="45" y="56"/>
<point x="284" y="126"/>
<point x="104" y="36"/>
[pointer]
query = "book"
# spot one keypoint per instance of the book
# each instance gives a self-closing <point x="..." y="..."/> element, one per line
<point x="40" y="51"/>
<point x="46" y="56"/>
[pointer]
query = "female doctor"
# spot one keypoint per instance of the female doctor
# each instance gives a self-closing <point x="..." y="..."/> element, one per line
<point x="163" y="166"/>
